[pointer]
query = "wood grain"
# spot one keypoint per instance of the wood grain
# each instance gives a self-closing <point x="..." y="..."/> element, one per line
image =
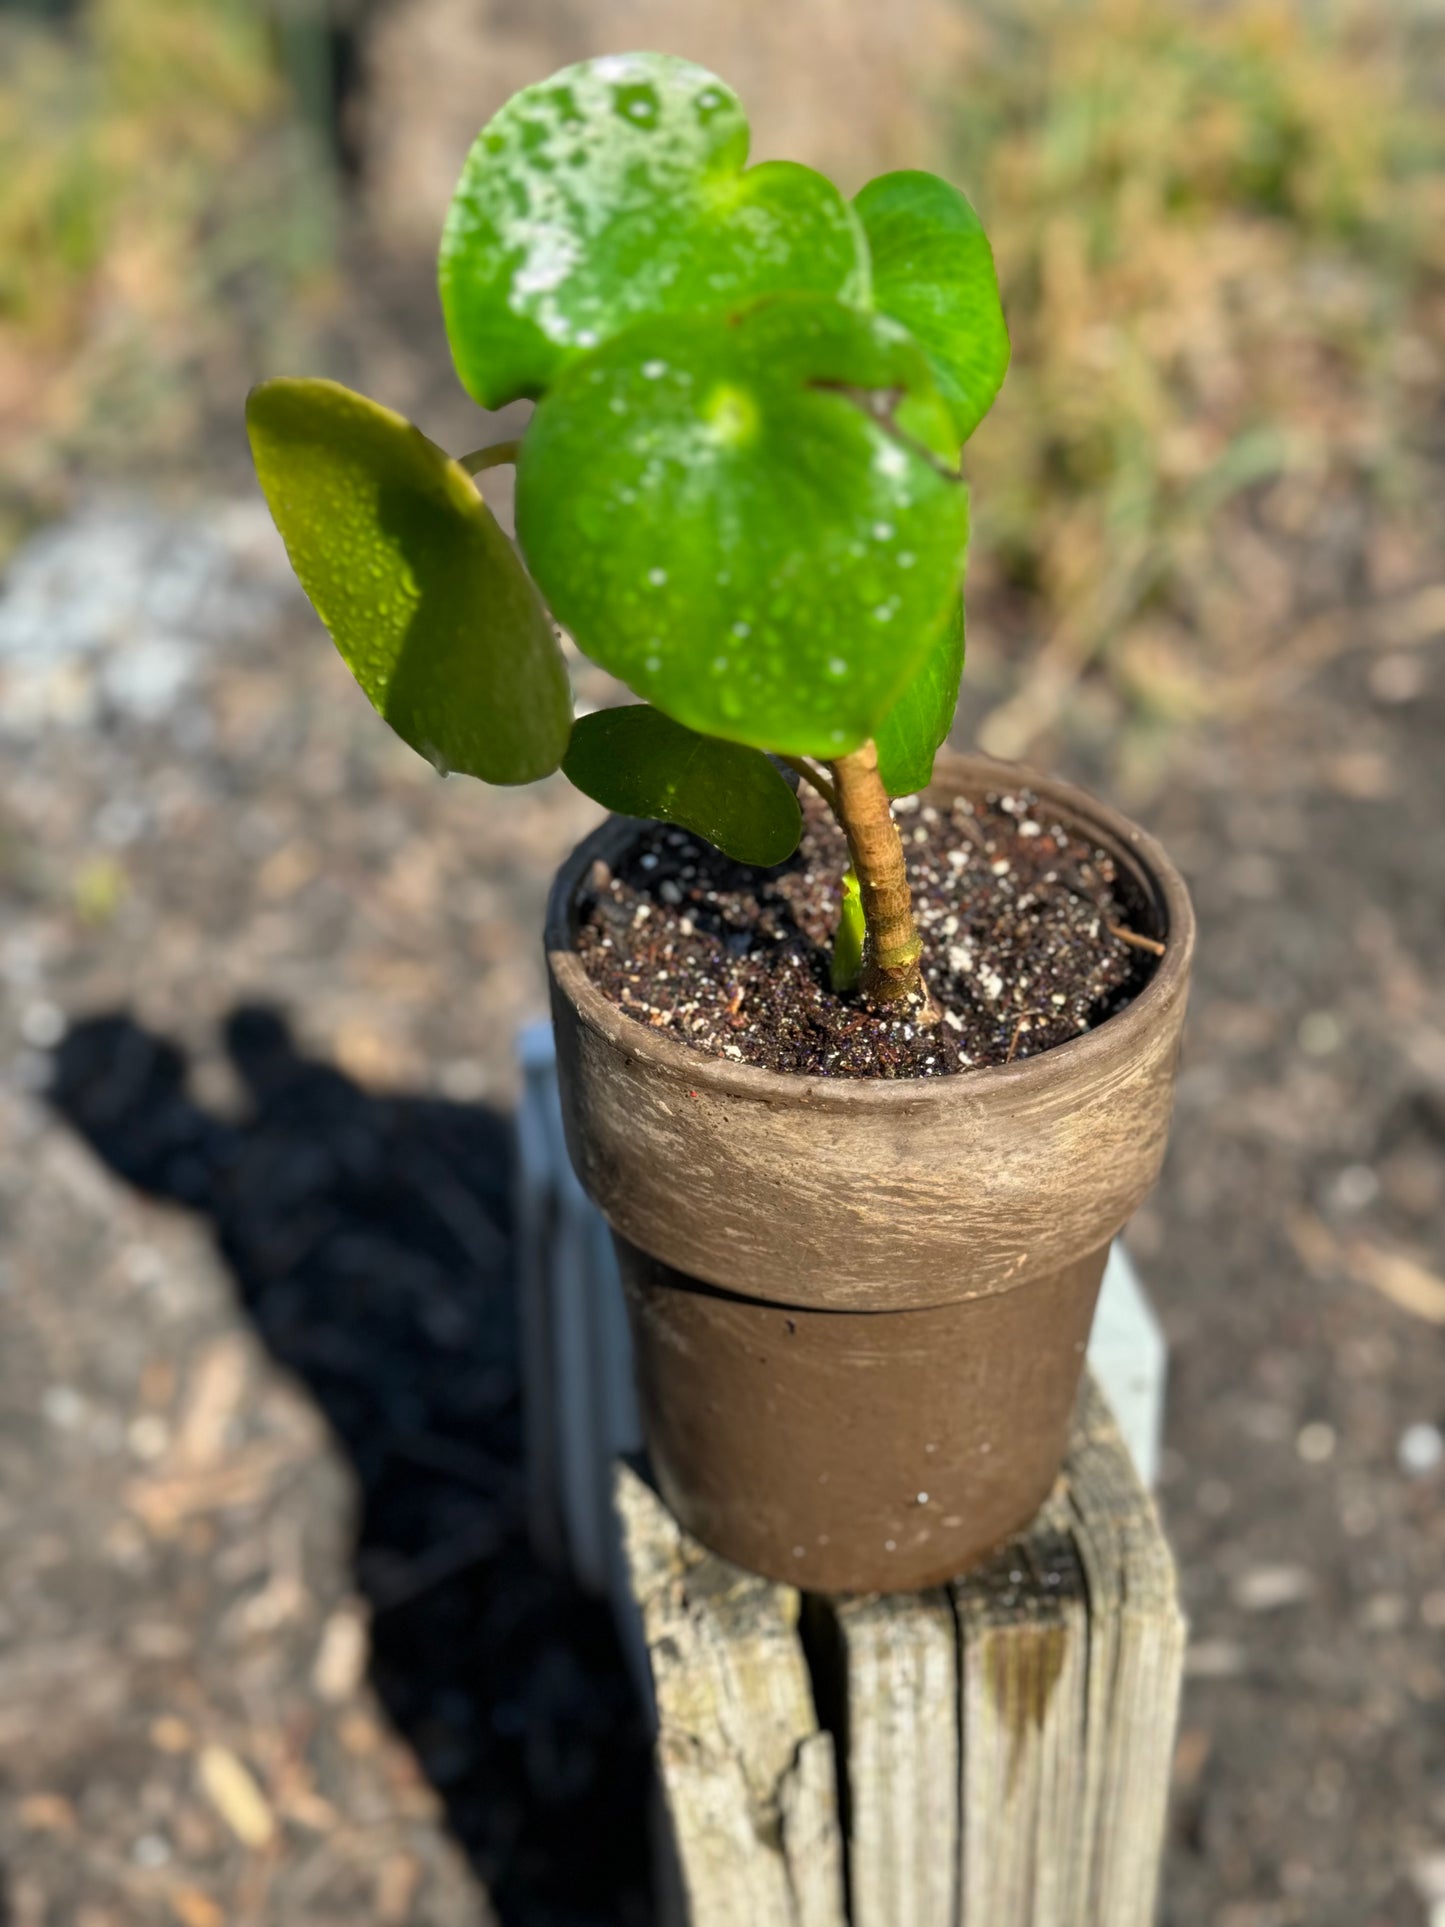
<point x="1006" y="1741"/>
<point x="748" y="1774"/>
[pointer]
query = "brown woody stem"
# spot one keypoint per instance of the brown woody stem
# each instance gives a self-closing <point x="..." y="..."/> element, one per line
<point x="893" y="946"/>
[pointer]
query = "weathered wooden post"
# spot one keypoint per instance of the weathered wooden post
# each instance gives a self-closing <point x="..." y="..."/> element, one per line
<point x="990" y="1754"/>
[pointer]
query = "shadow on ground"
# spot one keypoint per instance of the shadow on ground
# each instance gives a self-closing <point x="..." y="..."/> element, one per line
<point x="368" y="1238"/>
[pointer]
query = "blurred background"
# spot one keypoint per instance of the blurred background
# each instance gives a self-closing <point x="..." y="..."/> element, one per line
<point x="272" y="1646"/>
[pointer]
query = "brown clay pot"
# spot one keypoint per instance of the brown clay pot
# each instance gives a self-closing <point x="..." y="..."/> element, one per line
<point x="859" y="1307"/>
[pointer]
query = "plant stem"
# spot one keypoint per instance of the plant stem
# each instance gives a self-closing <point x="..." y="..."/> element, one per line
<point x="893" y="946"/>
<point x="815" y="777"/>
<point x="496" y="456"/>
<point x="849" y="938"/>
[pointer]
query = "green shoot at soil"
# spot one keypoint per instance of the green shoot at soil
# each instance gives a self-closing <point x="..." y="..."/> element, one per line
<point x="739" y="491"/>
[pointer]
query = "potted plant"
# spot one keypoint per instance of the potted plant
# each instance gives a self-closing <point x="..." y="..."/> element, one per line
<point x="864" y="1113"/>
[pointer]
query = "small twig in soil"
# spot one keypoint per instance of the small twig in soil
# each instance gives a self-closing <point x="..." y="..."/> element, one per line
<point x="1134" y="940"/>
<point x="1026" y="1019"/>
<point x="972" y="831"/>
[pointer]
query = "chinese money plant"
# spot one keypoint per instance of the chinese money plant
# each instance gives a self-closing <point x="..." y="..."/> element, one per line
<point x="739" y="491"/>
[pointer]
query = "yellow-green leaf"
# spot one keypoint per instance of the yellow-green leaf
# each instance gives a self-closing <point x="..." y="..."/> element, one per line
<point x="422" y="592"/>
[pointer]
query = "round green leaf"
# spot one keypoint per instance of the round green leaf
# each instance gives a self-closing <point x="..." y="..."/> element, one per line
<point x="615" y="190"/>
<point x="422" y="592"/>
<point x="933" y="271"/>
<point x="749" y="519"/>
<point x="909" y="735"/>
<point x="639" y="762"/>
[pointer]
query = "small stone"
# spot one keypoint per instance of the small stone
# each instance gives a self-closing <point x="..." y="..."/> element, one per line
<point x="1428" y="1875"/>
<point x="148" y="1436"/>
<point x="43" y="1025"/>
<point x="463" y="1080"/>
<point x="1398" y="678"/>
<point x="341" y="1657"/>
<point x="1315" y="1442"/>
<point x="1355" y="1187"/>
<point x="1320" y="1033"/>
<point x="1420" y="1451"/>
<point x="63" y="1406"/>
<point x="1384" y="1612"/>
<point x="1266" y="1589"/>
<point x="1214" y="1659"/>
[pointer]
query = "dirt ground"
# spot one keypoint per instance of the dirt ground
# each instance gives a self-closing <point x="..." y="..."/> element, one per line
<point x="273" y="1648"/>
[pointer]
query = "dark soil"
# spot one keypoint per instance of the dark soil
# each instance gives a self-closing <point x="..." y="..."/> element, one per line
<point x="1018" y="918"/>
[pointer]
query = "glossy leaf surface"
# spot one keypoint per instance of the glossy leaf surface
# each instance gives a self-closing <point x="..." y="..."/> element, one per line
<point x="933" y="271"/>
<point x="751" y="519"/>
<point x="639" y="762"/>
<point x="422" y="592"/>
<point x="909" y="736"/>
<point x="615" y="190"/>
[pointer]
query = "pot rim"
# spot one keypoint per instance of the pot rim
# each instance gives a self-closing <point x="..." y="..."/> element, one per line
<point x="1062" y="1064"/>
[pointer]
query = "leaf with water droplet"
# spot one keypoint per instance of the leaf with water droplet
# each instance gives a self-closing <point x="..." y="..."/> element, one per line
<point x="909" y="736"/>
<point x="639" y="762"/>
<point x="614" y="190"/>
<point x="424" y="595"/>
<point x="758" y="494"/>
<point x="933" y="271"/>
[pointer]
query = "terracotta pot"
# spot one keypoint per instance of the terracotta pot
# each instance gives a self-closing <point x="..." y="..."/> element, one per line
<point x="859" y="1307"/>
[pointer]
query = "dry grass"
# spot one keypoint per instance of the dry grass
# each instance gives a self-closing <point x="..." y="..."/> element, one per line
<point x="1219" y="232"/>
<point x="1219" y="227"/>
<point x="160" y="211"/>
